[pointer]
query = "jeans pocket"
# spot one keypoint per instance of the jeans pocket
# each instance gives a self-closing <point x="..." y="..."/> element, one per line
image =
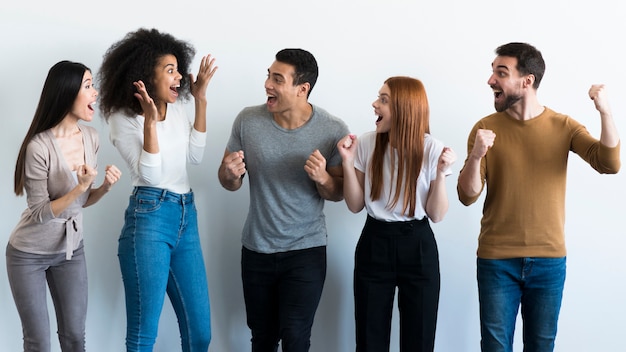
<point x="147" y="205"/>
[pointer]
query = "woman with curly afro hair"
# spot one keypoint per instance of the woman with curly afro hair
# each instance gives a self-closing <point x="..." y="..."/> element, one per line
<point x="143" y="80"/>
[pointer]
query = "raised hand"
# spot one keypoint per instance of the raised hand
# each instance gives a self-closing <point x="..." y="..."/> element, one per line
<point x="446" y="159"/>
<point x="598" y="94"/>
<point x="315" y="166"/>
<point x="484" y="140"/>
<point x="111" y="176"/>
<point x="205" y="73"/>
<point x="86" y="175"/>
<point x="148" y="106"/>
<point x="233" y="165"/>
<point x="347" y="147"/>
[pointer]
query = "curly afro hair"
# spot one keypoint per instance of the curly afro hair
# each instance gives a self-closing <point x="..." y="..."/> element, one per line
<point x="134" y="58"/>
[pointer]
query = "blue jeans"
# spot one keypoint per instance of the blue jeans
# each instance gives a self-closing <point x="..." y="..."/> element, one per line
<point x="159" y="251"/>
<point x="282" y="292"/>
<point x="534" y="283"/>
<point x="67" y="280"/>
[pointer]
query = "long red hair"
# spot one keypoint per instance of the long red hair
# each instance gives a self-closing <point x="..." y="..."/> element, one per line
<point x="409" y="123"/>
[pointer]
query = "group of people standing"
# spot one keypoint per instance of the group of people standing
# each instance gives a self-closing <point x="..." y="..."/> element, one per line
<point x="295" y="156"/>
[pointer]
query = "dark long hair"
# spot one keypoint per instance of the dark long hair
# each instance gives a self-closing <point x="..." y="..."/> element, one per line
<point x="57" y="97"/>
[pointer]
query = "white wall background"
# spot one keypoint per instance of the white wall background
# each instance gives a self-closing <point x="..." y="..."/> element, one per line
<point x="448" y="44"/>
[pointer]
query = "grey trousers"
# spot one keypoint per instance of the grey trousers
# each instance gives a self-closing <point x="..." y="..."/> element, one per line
<point x="67" y="280"/>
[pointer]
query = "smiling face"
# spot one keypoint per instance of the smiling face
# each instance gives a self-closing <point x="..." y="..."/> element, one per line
<point x="166" y="80"/>
<point x="83" y="107"/>
<point x="282" y="95"/>
<point x="506" y="82"/>
<point x="382" y="110"/>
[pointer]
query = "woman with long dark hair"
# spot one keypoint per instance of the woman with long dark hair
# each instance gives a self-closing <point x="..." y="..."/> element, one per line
<point x="398" y="174"/>
<point x="56" y="168"/>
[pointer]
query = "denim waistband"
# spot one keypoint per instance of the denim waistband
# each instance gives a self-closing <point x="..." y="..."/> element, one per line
<point x="376" y="224"/>
<point x="163" y="194"/>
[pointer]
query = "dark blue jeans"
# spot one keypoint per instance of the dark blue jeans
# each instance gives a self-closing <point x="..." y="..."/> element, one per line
<point x="402" y="255"/>
<point x="534" y="283"/>
<point x="282" y="292"/>
<point x="159" y="251"/>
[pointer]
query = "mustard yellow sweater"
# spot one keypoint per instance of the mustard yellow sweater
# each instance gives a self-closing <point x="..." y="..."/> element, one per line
<point x="525" y="174"/>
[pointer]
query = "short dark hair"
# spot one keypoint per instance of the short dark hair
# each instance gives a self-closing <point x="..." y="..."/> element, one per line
<point x="529" y="59"/>
<point x="58" y="94"/>
<point x="134" y="58"/>
<point x="304" y="63"/>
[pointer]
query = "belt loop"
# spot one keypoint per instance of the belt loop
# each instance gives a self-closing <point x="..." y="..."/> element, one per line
<point x="163" y="194"/>
<point x="135" y="189"/>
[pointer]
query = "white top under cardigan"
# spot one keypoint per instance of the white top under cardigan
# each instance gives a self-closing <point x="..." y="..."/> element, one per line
<point x="179" y="143"/>
<point x="379" y="209"/>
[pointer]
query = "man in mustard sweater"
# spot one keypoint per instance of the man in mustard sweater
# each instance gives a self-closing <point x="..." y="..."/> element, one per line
<point x="520" y="153"/>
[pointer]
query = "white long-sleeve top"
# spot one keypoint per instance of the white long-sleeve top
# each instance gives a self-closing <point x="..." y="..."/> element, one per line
<point x="179" y="143"/>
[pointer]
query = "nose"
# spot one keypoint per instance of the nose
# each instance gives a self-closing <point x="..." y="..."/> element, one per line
<point x="491" y="81"/>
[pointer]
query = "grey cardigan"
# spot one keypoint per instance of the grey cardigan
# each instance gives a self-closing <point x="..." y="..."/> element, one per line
<point x="48" y="177"/>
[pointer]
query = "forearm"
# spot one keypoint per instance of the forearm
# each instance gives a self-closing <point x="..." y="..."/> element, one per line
<point x="470" y="181"/>
<point x="437" y="202"/>
<point x="150" y="141"/>
<point x="352" y="189"/>
<point x="331" y="188"/>
<point x="609" y="136"/>
<point x="96" y="194"/>
<point x="229" y="183"/>
<point x="60" y="204"/>
<point x="199" y="123"/>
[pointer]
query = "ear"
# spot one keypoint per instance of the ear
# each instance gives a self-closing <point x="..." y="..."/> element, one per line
<point x="303" y="89"/>
<point x="529" y="80"/>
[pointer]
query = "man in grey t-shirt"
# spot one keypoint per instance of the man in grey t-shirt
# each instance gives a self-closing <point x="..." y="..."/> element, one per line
<point x="289" y="148"/>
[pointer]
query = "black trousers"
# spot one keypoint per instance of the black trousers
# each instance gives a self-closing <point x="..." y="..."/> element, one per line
<point x="402" y="255"/>
<point x="281" y="293"/>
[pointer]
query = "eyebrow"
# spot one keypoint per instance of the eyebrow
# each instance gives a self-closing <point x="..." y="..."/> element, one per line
<point x="501" y="67"/>
<point x="274" y="73"/>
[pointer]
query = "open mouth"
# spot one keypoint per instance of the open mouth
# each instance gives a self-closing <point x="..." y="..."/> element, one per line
<point x="91" y="106"/>
<point x="271" y="99"/>
<point x="497" y="93"/>
<point x="174" y="89"/>
<point x="380" y="118"/>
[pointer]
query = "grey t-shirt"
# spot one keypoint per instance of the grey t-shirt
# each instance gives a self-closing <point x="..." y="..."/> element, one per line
<point x="286" y="211"/>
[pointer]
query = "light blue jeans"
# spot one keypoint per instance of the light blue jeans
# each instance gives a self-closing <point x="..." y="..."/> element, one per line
<point x="159" y="251"/>
<point x="534" y="283"/>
